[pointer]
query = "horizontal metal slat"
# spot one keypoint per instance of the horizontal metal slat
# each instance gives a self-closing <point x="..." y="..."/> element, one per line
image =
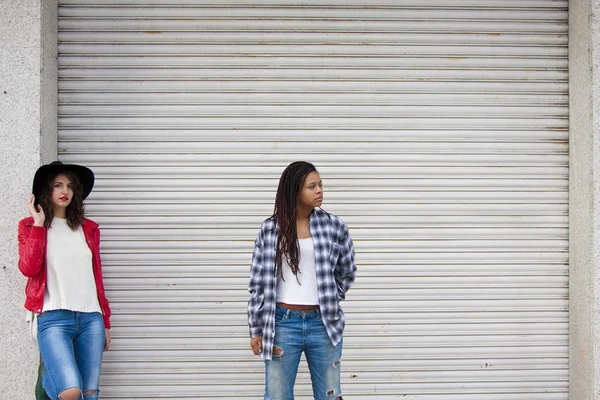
<point x="124" y="220"/>
<point x="371" y="233"/>
<point x="408" y="341"/>
<point x="175" y="62"/>
<point x="318" y="3"/>
<point x="253" y="366"/>
<point x="367" y="284"/>
<point x="156" y="25"/>
<point x="382" y="185"/>
<point x="303" y="122"/>
<point x="376" y="174"/>
<point x="316" y="50"/>
<point x="374" y="257"/>
<point x="129" y="332"/>
<point x="126" y="196"/>
<point x="264" y="99"/>
<point x="364" y="13"/>
<point x="190" y="318"/>
<point x="411" y="214"/>
<point x="226" y="353"/>
<point x="278" y="38"/>
<point x="396" y="298"/>
<point x="238" y="268"/>
<point x="388" y="392"/>
<point x="324" y="111"/>
<point x="323" y="146"/>
<point x="175" y="85"/>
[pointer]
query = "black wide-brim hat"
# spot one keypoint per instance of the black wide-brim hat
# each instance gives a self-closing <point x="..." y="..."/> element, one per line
<point x="85" y="175"/>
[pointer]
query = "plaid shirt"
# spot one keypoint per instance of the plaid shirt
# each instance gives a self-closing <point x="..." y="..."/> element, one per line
<point x="335" y="267"/>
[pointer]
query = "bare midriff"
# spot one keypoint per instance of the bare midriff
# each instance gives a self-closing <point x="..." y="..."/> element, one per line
<point x="298" y="307"/>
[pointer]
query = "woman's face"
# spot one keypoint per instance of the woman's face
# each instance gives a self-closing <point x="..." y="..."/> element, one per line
<point x="62" y="191"/>
<point x="311" y="194"/>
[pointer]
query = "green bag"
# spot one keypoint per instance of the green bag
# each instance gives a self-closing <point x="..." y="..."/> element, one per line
<point x="40" y="393"/>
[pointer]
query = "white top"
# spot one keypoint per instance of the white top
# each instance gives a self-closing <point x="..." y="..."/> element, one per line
<point x="300" y="289"/>
<point x="71" y="284"/>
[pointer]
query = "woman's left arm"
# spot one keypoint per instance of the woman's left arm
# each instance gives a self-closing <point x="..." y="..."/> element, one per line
<point x="104" y="304"/>
<point x="345" y="269"/>
<point x="106" y="339"/>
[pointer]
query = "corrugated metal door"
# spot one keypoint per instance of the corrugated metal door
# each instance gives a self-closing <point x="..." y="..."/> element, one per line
<point x="440" y="129"/>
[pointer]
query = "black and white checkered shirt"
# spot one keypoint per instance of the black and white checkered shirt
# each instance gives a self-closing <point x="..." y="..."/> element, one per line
<point x="335" y="267"/>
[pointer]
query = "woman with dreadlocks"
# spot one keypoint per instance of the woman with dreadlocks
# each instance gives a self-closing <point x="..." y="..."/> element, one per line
<point x="302" y="267"/>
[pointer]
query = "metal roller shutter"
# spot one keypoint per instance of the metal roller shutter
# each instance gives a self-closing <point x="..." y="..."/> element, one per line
<point x="440" y="129"/>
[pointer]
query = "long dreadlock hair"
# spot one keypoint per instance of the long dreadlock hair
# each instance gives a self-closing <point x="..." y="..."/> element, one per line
<point x="286" y="203"/>
<point x="75" y="210"/>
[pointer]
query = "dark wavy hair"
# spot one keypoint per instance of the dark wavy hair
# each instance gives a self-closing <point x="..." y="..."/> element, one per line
<point x="286" y="203"/>
<point x="75" y="210"/>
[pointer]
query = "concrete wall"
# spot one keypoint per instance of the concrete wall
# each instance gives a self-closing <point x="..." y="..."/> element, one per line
<point x="28" y="114"/>
<point x="28" y="98"/>
<point x="584" y="196"/>
<point x="595" y="305"/>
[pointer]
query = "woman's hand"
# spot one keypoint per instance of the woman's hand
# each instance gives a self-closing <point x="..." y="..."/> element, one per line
<point x="36" y="212"/>
<point x="106" y="338"/>
<point x="256" y="345"/>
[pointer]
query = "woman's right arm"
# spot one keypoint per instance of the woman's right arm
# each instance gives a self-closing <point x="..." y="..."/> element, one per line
<point x="255" y="287"/>
<point x="32" y="240"/>
<point x="31" y="248"/>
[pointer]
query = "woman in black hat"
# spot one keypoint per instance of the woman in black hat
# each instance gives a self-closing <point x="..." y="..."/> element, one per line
<point x="59" y="252"/>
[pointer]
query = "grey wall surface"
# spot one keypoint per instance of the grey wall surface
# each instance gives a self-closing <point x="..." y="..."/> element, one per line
<point x="28" y="139"/>
<point x="595" y="45"/>
<point x="584" y="204"/>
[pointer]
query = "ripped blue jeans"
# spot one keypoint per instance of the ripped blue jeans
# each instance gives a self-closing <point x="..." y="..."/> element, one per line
<point x="297" y="332"/>
<point x="71" y="345"/>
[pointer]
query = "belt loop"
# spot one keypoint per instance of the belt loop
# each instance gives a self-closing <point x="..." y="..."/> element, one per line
<point x="287" y="313"/>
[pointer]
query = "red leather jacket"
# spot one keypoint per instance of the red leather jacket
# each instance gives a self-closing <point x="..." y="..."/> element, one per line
<point x="32" y="263"/>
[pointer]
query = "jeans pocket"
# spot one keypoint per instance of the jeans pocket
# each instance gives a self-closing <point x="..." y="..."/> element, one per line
<point x="51" y="316"/>
<point x="280" y="315"/>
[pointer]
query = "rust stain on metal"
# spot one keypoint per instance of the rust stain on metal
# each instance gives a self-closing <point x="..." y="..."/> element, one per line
<point x="456" y="58"/>
<point x="494" y="34"/>
<point x="153" y="32"/>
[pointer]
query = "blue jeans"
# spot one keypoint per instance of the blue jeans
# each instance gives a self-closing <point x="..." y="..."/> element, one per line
<point x="295" y="332"/>
<point x="71" y="345"/>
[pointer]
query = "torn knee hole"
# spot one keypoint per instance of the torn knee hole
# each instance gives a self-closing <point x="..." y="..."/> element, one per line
<point x="71" y="393"/>
<point x="88" y="392"/>
<point x="336" y="363"/>
<point x="277" y="351"/>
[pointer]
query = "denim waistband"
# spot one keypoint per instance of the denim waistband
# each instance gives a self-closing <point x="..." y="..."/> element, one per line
<point x="308" y="314"/>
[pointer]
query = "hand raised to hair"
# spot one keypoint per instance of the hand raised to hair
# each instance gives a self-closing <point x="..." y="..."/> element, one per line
<point x="36" y="212"/>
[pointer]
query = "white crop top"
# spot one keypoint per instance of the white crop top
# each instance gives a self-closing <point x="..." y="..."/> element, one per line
<point x="303" y="288"/>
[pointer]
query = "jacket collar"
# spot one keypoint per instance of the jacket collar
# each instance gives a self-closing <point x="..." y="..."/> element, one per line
<point x="318" y="213"/>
